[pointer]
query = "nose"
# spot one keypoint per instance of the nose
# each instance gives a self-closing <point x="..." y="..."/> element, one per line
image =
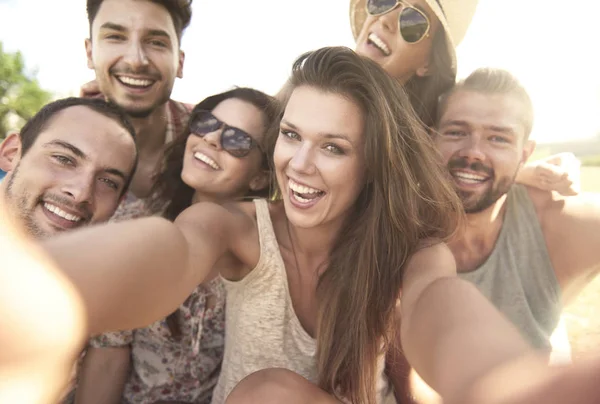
<point x="302" y="161"/>
<point x="472" y="149"/>
<point x="389" y="20"/>
<point x="135" y="56"/>
<point x="80" y="188"/>
<point x="213" y="139"/>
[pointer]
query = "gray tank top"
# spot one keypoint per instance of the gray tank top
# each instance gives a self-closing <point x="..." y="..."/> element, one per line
<point x="518" y="276"/>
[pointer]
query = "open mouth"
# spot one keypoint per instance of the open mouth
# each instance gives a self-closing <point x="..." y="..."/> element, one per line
<point x="61" y="219"/>
<point x="378" y="43"/>
<point x="303" y="194"/>
<point x="206" y="160"/>
<point x="469" y="178"/>
<point x="135" y="83"/>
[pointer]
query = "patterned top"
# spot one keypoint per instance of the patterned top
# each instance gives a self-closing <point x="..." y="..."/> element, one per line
<point x="133" y="207"/>
<point x="185" y="369"/>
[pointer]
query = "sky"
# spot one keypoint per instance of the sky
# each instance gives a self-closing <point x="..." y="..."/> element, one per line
<point x="552" y="46"/>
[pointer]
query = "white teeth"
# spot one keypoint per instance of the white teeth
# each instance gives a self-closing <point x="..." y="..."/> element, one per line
<point x="472" y="178"/>
<point x="205" y="159"/>
<point x="135" y="82"/>
<point x="59" y="212"/>
<point x="299" y="198"/>
<point x="378" y="42"/>
<point x="301" y="189"/>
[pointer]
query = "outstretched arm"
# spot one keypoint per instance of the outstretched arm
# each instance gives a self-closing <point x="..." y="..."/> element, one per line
<point x="468" y="352"/>
<point x="132" y="273"/>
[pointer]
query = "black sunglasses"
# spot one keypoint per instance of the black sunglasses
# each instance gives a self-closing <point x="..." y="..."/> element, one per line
<point x="414" y="24"/>
<point x="233" y="140"/>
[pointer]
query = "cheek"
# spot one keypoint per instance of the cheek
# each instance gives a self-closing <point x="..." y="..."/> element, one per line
<point x="282" y="155"/>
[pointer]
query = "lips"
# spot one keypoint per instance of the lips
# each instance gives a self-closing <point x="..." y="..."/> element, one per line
<point x="377" y="42"/>
<point x="61" y="217"/>
<point x="303" y="196"/>
<point x="207" y="160"/>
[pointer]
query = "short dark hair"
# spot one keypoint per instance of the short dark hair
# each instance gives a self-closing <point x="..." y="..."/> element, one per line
<point x="180" y="11"/>
<point x="489" y="80"/>
<point x="40" y="121"/>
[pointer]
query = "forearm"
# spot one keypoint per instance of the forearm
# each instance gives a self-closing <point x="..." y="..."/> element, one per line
<point x="454" y="337"/>
<point x="128" y="274"/>
<point x="103" y="376"/>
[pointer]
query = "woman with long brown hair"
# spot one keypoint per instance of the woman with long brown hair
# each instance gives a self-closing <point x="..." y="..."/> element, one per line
<point x="317" y="279"/>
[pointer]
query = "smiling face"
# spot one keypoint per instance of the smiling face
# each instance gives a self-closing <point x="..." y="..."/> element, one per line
<point x="319" y="157"/>
<point x="381" y="41"/>
<point x="134" y="52"/>
<point x="74" y="173"/>
<point x="212" y="171"/>
<point x="482" y="139"/>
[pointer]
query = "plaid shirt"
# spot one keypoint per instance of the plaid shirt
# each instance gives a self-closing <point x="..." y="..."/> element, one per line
<point x="133" y="207"/>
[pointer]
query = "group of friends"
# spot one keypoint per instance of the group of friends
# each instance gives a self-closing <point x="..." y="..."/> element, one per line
<point x="373" y="233"/>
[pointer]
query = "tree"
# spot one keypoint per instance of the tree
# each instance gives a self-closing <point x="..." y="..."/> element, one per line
<point x="20" y="93"/>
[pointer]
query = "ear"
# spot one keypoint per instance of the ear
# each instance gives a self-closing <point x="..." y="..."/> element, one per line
<point x="88" y="52"/>
<point x="528" y="149"/>
<point x="180" y="65"/>
<point x="260" y="181"/>
<point x="10" y="152"/>
<point x="424" y="70"/>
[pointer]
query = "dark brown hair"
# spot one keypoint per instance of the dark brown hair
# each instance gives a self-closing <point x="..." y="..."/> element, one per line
<point x="425" y="91"/>
<point x="406" y="199"/>
<point x="179" y="10"/>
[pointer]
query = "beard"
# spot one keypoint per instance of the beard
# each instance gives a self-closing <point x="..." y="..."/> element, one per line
<point x="129" y="106"/>
<point x="20" y="207"/>
<point x="473" y="203"/>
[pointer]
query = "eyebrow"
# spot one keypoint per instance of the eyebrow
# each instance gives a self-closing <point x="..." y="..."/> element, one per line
<point x="325" y="135"/>
<point x="65" y="145"/>
<point x="121" y="28"/>
<point x="77" y="151"/>
<point x="495" y="128"/>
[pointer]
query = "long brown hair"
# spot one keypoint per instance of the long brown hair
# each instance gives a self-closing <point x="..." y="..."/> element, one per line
<point x="406" y="198"/>
<point x="424" y="92"/>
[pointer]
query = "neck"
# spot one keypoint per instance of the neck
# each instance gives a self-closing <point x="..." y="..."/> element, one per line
<point x="151" y="131"/>
<point x="314" y="244"/>
<point x="203" y="197"/>
<point x="477" y="238"/>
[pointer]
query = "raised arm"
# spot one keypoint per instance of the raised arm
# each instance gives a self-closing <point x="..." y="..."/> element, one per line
<point x="132" y="273"/>
<point x="451" y="334"/>
<point x="469" y="353"/>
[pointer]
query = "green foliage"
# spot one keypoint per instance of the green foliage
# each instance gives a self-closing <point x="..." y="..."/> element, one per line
<point x="591" y="161"/>
<point x="20" y="93"/>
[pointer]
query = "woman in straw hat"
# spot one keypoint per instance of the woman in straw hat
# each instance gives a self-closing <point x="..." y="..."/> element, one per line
<point x="314" y="279"/>
<point x="415" y="42"/>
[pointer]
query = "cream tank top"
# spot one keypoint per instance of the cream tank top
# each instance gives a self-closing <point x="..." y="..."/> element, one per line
<point x="261" y="328"/>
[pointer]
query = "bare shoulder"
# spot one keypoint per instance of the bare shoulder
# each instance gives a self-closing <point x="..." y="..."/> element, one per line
<point x="433" y="259"/>
<point x="229" y="221"/>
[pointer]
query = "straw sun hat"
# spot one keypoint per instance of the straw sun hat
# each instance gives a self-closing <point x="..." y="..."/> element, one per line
<point x="454" y="15"/>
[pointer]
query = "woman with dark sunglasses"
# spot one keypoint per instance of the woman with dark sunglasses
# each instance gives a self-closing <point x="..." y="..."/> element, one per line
<point x="415" y="42"/>
<point x="219" y="158"/>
